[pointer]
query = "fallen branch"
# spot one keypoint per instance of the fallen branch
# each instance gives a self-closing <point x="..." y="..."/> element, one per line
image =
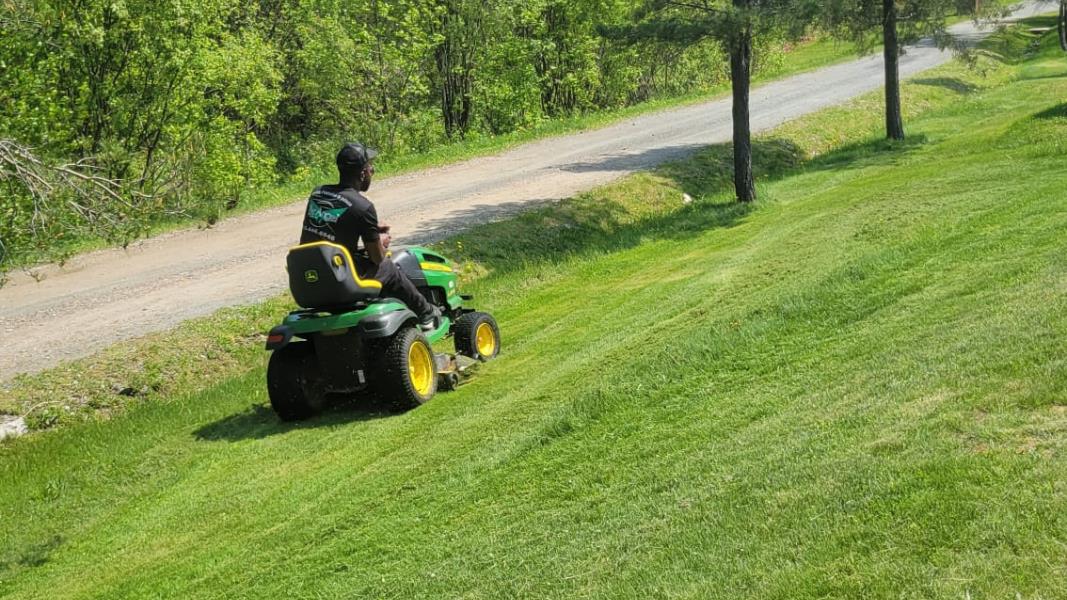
<point x="91" y="195"/>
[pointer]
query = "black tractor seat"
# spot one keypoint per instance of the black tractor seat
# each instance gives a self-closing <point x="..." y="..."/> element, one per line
<point x="322" y="276"/>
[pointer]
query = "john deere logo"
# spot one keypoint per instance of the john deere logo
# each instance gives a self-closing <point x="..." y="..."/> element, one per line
<point x="311" y="276"/>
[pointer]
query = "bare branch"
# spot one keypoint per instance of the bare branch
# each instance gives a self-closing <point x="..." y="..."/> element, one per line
<point x="92" y="196"/>
<point x="702" y="6"/>
<point x="13" y="16"/>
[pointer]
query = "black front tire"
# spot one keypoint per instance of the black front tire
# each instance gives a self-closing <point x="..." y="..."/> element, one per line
<point x="406" y="373"/>
<point x="292" y="382"/>
<point x="477" y="336"/>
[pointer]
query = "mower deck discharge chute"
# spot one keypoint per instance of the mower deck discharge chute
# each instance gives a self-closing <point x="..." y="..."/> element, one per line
<point x="349" y="339"/>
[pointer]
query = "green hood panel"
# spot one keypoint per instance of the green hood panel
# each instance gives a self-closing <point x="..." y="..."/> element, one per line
<point x="440" y="272"/>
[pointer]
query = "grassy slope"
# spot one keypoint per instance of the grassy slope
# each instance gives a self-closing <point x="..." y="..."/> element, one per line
<point x="856" y="388"/>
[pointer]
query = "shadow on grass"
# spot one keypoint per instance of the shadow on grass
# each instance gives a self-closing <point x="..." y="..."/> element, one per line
<point x="949" y="83"/>
<point x="259" y="421"/>
<point x="628" y="162"/>
<point x="1056" y="75"/>
<point x="35" y="555"/>
<point x="618" y="217"/>
<point x="1056" y="112"/>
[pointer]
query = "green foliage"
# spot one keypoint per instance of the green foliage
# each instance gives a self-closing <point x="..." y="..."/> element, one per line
<point x="161" y="97"/>
<point x="861" y="21"/>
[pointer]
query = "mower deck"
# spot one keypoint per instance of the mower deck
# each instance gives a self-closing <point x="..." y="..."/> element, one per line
<point x="454" y="370"/>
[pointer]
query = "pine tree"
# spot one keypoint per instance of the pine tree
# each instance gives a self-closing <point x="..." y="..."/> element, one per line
<point x="895" y="23"/>
<point x="735" y="24"/>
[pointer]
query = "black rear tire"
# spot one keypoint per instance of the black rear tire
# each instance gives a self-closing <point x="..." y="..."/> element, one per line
<point x="406" y="372"/>
<point x="292" y="382"/>
<point x="477" y="336"/>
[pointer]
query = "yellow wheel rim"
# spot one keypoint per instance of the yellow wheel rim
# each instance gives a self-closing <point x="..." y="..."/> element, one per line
<point x="485" y="340"/>
<point x="420" y="368"/>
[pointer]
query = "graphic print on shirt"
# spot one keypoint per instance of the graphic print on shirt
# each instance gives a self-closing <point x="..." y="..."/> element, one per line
<point x="325" y="209"/>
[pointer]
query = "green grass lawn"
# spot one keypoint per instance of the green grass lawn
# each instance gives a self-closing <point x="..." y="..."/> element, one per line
<point x="855" y="388"/>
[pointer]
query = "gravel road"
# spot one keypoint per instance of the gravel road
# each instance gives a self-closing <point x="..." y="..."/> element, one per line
<point x="104" y="297"/>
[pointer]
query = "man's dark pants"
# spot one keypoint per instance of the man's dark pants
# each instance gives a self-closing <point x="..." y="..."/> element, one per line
<point x="395" y="284"/>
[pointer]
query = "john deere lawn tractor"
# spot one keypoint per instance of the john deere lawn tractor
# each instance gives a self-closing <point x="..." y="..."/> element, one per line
<point x="348" y="339"/>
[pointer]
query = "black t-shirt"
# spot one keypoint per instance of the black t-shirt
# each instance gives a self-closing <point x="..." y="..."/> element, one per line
<point x="343" y="216"/>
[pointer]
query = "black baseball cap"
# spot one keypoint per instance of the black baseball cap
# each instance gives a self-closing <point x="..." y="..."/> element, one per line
<point x="355" y="154"/>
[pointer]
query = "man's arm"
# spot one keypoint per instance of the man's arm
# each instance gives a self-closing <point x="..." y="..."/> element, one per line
<point x="375" y="250"/>
<point x="378" y="234"/>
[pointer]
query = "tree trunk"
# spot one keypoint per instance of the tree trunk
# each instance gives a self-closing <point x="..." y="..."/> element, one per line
<point x="894" y="122"/>
<point x="453" y="61"/>
<point x="1062" y="25"/>
<point x="740" y="75"/>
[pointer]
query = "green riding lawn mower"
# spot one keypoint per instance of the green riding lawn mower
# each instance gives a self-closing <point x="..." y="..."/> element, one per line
<point x="348" y="339"/>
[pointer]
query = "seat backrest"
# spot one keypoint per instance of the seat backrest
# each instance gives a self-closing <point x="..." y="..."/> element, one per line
<point x="323" y="275"/>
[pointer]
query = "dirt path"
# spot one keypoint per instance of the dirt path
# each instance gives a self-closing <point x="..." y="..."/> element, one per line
<point x="103" y="297"/>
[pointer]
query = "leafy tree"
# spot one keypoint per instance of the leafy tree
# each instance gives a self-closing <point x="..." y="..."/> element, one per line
<point x="130" y="87"/>
<point x="895" y="23"/>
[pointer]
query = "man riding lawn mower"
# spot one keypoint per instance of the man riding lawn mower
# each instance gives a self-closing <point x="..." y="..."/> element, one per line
<point x="369" y="315"/>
